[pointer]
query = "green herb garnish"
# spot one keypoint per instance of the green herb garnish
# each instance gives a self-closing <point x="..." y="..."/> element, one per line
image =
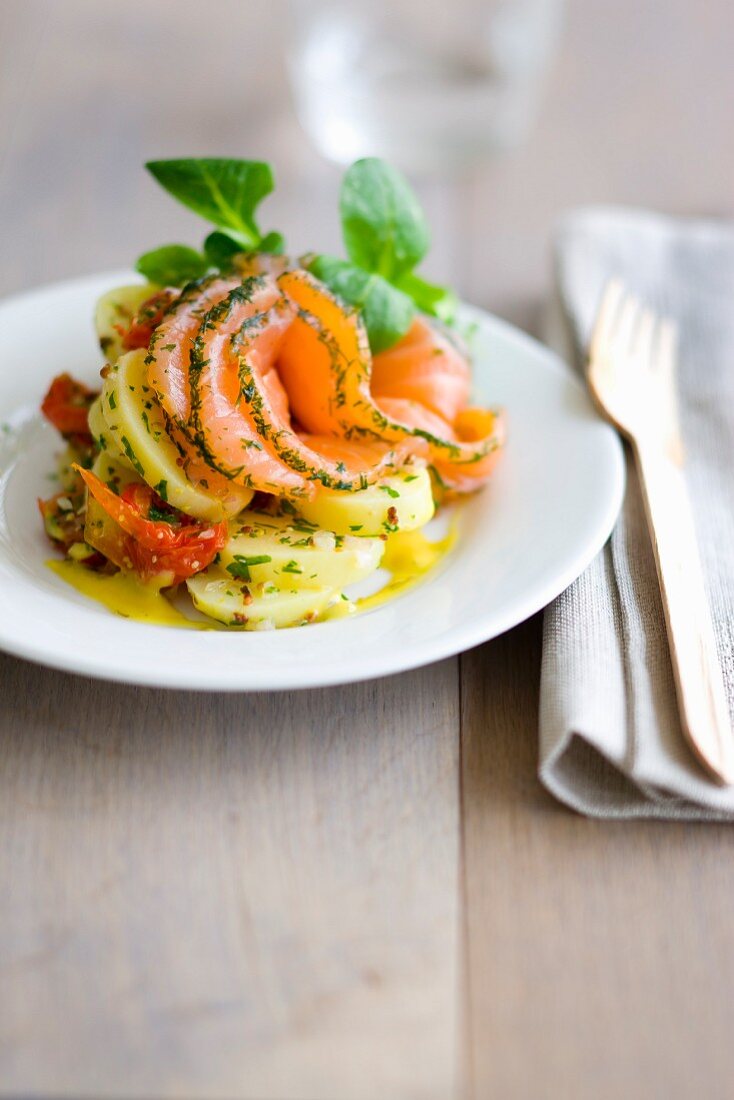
<point x="240" y="567"/>
<point x="384" y="227"/>
<point x="172" y="265"/>
<point x="386" y="311"/>
<point x="386" y="236"/>
<point x="134" y="460"/>
<point x="161" y="515"/>
<point x="227" y="193"/>
<point x="439" y="301"/>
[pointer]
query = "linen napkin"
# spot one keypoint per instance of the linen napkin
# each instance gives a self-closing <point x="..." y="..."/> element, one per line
<point x="610" y="738"/>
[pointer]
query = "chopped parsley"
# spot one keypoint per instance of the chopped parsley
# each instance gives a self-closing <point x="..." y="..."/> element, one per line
<point x="134" y="461"/>
<point x="161" y="515"/>
<point x="240" y="567"/>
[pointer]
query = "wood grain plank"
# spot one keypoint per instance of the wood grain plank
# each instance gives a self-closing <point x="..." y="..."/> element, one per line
<point x="600" y="956"/>
<point x="221" y="896"/>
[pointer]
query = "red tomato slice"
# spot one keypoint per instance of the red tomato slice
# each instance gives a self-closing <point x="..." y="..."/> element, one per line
<point x="180" y="546"/>
<point x="66" y="406"/>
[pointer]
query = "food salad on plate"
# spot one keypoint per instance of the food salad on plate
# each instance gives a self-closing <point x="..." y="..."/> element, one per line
<point x="269" y="430"/>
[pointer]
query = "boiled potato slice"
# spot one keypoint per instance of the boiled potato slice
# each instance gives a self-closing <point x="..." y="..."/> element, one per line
<point x="100" y="530"/>
<point x="118" y="307"/>
<point x="293" y="553"/>
<point x="97" y="425"/>
<point x="98" y="428"/>
<point x="137" y="426"/>
<point x="103" y="533"/>
<point x="115" y="472"/>
<point x="400" y="503"/>
<point x="256" y="606"/>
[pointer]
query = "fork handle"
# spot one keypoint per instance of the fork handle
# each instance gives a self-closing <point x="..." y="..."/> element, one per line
<point x="699" y="684"/>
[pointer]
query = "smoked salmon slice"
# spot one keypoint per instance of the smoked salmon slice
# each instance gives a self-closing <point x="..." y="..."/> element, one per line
<point x="168" y="364"/>
<point x="256" y="374"/>
<point x="212" y="364"/>
<point x="424" y="366"/>
<point x="326" y="367"/>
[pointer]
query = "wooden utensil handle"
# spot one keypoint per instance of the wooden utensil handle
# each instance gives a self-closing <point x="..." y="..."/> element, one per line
<point x="702" y="698"/>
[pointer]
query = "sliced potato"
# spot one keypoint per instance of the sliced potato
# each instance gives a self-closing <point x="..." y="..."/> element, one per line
<point x="400" y="503"/>
<point x="68" y="479"/>
<point x="100" y="530"/>
<point x="97" y="425"/>
<point x="115" y="472"/>
<point x="100" y="431"/>
<point x="137" y="426"/>
<point x="103" y="533"/>
<point x="114" y="311"/>
<point x="256" y="606"/>
<point x="293" y="553"/>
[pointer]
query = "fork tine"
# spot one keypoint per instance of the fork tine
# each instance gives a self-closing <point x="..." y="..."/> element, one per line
<point x="664" y="356"/>
<point x="601" y="337"/>
<point x="625" y="329"/>
<point x="644" y="337"/>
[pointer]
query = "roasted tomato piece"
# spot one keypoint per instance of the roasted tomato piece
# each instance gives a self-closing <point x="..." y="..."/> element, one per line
<point x="66" y="406"/>
<point x="147" y="319"/>
<point x="150" y="537"/>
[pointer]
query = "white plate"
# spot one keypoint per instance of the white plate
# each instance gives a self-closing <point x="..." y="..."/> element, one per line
<point x="547" y="511"/>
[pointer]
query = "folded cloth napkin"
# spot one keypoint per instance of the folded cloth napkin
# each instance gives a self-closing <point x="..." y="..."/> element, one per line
<point x="610" y="738"/>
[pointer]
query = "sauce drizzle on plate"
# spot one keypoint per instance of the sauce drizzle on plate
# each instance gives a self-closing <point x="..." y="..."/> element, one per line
<point x="409" y="557"/>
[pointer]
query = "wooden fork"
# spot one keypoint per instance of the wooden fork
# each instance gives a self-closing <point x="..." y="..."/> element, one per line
<point x="631" y="375"/>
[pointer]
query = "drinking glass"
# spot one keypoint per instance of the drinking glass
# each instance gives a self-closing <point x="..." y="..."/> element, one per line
<point x="432" y="87"/>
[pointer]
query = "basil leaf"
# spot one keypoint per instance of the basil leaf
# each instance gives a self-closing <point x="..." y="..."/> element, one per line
<point x="272" y="242"/>
<point x="219" y="248"/>
<point x="386" y="311"/>
<point x="225" y="192"/>
<point x="438" y="301"/>
<point x="384" y="228"/>
<point x="172" y="265"/>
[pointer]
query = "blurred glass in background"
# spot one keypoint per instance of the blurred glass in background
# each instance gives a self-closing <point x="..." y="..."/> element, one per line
<point x="434" y="88"/>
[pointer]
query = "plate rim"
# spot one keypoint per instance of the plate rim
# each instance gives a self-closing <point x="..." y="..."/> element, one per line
<point x="458" y="640"/>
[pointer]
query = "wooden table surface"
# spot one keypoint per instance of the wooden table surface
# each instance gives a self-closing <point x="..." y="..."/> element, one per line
<point x="360" y="892"/>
